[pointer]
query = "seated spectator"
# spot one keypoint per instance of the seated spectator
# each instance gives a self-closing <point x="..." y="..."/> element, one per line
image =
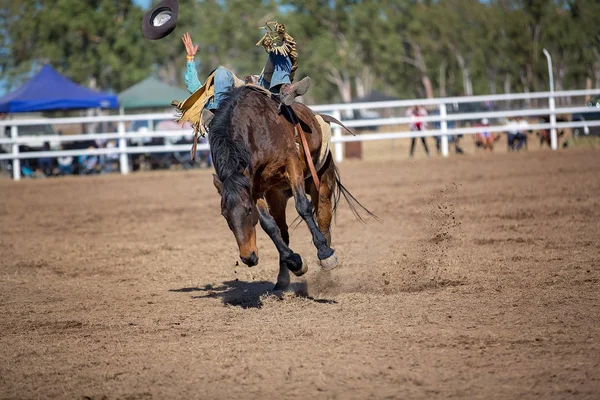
<point x="88" y="163"/>
<point x="111" y="158"/>
<point x="27" y="172"/>
<point x="65" y="165"/>
<point x="46" y="164"/>
<point x="485" y="139"/>
<point x="517" y="133"/>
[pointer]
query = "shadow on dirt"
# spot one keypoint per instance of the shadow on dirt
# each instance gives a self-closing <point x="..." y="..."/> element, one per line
<point x="249" y="294"/>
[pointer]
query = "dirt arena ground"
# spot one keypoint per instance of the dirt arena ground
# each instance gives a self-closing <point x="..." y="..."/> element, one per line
<point x="481" y="281"/>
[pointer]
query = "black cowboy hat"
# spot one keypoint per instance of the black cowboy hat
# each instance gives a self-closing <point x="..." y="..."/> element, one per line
<point x="160" y="20"/>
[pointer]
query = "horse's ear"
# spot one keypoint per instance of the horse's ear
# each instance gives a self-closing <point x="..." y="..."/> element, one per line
<point x="217" y="183"/>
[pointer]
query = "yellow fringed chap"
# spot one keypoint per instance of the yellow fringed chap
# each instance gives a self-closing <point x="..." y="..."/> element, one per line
<point x="190" y="109"/>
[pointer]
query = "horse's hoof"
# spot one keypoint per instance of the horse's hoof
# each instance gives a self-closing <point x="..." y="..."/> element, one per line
<point x="281" y="287"/>
<point x="303" y="269"/>
<point x="330" y="262"/>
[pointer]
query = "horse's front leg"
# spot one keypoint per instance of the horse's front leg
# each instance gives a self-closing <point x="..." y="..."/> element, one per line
<point x="288" y="260"/>
<point x="325" y="254"/>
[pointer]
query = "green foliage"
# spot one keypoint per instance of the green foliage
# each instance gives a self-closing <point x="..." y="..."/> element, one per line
<point x="405" y="48"/>
<point x="95" y="42"/>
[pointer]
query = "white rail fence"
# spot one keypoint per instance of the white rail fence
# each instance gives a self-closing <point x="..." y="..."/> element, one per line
<point x="441" y="104"/>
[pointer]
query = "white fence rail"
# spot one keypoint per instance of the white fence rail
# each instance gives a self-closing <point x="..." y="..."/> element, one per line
<point x="13" y="141"/>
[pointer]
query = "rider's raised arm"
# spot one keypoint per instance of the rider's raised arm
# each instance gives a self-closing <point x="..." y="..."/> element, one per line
<point x="191" y="75"/>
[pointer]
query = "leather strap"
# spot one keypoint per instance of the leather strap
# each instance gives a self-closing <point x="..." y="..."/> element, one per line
<point x="309" y="160"/>
<point x="298" y="131"/>
<point x="194" y="146"/>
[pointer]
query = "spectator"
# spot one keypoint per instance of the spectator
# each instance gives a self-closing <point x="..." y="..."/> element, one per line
<point x="485" y="138"/>
<point x="27" y="172"/>
<point x="517" y="132"/>
<point x="450" y="124"/>
<point x="111" y="158"/>
<point x="417" y="124"/>
<point x="46" y="163"/>
<point x="65" y="164"/>
<point x="88" y="163"/>
<point x="101" y="144"/>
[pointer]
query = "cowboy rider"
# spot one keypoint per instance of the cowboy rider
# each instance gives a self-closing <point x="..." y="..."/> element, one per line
<point x="276" y="77"/>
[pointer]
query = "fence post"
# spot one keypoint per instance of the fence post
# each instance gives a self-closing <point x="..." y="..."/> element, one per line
<point x="444" y="129"/>
<point x="123" y="159"/>
<point x="16" y="165"/>
<point x="553" y="135"/>
<point x="551" y="104"/>
<point x="337" y="133"/>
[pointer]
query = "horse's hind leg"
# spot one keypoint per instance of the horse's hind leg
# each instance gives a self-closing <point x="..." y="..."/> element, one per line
<point x="325" y="254"/>
<point x="276" y="228"/>
<point x="323" y="198"/>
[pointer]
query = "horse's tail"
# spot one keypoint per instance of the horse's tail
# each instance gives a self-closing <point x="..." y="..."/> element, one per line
<point x="329" y="119"/>
<point x="340" y="190"/>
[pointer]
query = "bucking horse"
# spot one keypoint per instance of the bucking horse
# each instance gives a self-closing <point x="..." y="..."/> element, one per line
<point x="262" y="153"/>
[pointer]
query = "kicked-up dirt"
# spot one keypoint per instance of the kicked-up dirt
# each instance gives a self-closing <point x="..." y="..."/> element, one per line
<point x="482" y="280"/>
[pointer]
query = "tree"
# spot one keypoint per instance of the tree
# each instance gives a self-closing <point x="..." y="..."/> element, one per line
<point x="97" y="43"/>
<point x="349" y="47"/>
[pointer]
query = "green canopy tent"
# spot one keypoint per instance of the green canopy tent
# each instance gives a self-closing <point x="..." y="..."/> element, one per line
<point x="151" y="93"/>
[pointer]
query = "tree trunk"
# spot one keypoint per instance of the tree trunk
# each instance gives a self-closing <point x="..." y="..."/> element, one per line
<point x="360" y="87"/>
<point x="507" y="83"/>
<point x="492" y="80"/>
<point x="442" y="78"/>
<point x="466" y="73"/>
<point x="91" y="127"/>
<point x="537" y="31"/>
<point x="507" y="88"/>
<point x="419" y="62"/>
<point x="427" y="86"/>
<point x="423" y="69"/>
<point x="560" y="78"/>
<point x="364" y="82"/>
<point x="525" y="83"/>
<point x="93" y="83"/>
<point x="342" y="81"/>
<point x="451" y="81"/>
<point x="345" y="88"/>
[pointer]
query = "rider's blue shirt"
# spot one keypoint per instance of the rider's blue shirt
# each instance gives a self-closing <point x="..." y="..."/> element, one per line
<point x="191" y="77"/>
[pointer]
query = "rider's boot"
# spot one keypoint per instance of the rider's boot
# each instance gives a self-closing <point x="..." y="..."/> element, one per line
<point x="289" y="92"/>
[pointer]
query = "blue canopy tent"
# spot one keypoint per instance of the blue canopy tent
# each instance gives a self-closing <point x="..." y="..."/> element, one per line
<point x="49" y="90"/>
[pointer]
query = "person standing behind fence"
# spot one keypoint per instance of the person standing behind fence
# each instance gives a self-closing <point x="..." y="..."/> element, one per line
<point x="417" y="124"/>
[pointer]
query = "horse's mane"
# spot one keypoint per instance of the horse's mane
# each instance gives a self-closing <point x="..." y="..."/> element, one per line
<point x="230" y="157"/>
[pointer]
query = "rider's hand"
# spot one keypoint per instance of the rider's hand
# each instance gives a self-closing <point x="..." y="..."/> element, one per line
<point x="190" y="49"/>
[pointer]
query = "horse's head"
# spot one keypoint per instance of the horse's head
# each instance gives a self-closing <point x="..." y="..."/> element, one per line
<point x="239" y="210"/>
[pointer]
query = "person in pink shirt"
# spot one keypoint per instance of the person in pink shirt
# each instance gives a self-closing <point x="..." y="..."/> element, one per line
<point x="417" y="124"/>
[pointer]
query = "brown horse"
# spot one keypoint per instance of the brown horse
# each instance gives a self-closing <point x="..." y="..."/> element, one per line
<point x="259" y="166"/>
